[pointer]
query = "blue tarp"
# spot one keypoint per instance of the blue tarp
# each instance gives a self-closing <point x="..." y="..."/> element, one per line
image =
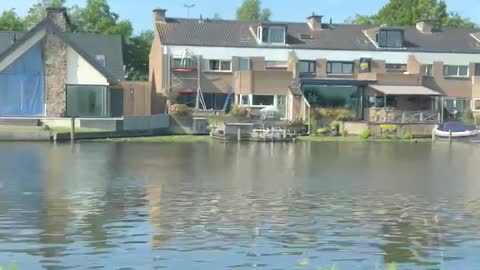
<point x="22" y="85"/>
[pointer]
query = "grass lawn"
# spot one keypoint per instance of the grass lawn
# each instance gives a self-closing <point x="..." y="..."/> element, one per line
<point x="20" y="128"/>
<point x="77" y="130"/>
<point x="160" y="139"/>
<point x="356" y="139"/>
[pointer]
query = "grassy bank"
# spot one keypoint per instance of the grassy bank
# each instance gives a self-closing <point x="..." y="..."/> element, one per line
<point x="357" y="139"/>
<point x="160" y="139"/>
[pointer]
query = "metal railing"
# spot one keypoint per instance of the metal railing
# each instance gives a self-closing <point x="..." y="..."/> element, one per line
<point x="385" y="115"/>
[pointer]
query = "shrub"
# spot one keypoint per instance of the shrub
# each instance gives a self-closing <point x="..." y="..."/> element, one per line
<point x="238" y="112"/>
<point x="179" y="110"/>
<point x="345" y="115"/>
<point x="407" y="134"/>
<point x="468" y="118"/>
<point x="365" y="134"/>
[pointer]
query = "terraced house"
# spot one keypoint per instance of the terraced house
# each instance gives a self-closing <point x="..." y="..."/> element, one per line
<point x="382" y="74"/>
<point x="50" y="72"/>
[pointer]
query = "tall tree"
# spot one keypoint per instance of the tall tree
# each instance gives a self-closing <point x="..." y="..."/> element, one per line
<point x="362" y="19"/>
<point x="9" y="21"/>
<point x="97" y="17"/>
<point x="251" y="10"/>
<point x="38" y="11"/>
<point x="455" y="20"/>
<point x="137" y="52"/>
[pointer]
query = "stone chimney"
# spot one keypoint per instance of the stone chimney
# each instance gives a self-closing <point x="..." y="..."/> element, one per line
<point x="159" y="15"/>
<point x="315" y="22"/>
<point x="425" y="26"/>
<point x="58" y="16"/>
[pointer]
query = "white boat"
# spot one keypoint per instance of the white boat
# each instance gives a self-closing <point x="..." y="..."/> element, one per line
<point x="455" y="130"/>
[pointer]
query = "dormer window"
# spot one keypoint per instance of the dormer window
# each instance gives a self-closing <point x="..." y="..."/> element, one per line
<point x="271" y="34"/>
<point x="388" y="38"/>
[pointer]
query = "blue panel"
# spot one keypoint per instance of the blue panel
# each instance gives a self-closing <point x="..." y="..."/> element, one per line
<point x="22" y="86"/>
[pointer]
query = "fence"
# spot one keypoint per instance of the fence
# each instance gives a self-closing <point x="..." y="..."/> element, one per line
<point x="383" y="115"/>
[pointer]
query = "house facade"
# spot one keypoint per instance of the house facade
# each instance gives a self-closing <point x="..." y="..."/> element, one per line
<point x="49" y="72"/>
<point x="384" y="74"/>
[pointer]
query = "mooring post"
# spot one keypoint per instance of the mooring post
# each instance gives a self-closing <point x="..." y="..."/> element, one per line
<point x="450" y="136"/>
<point x="239" y="134"/>
<point x="72" y="130"/>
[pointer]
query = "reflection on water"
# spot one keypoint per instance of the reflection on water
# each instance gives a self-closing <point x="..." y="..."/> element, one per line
<point x="220" y="206"/>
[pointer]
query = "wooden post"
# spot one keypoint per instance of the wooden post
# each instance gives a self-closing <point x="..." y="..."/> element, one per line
<point x="450" y="136"/>
<point x="72" y="131"/>
<point x="239" y="134"/>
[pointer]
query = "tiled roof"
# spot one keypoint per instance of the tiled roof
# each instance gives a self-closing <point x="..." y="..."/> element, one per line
<point x="91" y="44"/>
<point x="227" y="33"/>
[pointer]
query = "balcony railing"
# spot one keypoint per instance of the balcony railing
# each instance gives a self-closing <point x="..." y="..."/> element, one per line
<point x="394" y="116"/>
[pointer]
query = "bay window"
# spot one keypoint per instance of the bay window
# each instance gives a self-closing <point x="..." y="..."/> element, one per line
<point x="87" y="100"/>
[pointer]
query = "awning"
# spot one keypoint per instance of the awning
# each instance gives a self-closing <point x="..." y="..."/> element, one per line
<point x="402" y="90"/>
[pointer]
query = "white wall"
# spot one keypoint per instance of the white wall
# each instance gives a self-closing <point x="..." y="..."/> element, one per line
<point x="79" y="71"/>
<point x="281" y="54"/>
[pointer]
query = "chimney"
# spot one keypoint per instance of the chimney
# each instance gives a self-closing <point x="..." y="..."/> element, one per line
<point x="315" y="22"/>
<point x="425" y="26"/>
<point x="58" y="16"/>
<point x="159" y="15"/>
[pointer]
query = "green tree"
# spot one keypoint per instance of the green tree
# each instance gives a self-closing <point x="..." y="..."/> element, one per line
<point x="455" y="20"/>
<point x="97" y="17"/>
<point x="408" y="12"/>
<point x="9" y="21"/>
<point x="38" y="11"/>
<point x="251" y="10"/>
<point x="137" y="52"/>
<point x="362" y="19"/>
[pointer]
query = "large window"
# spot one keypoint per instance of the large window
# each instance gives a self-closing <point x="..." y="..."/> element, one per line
<point x="455" y="71"/>
<point x="219" y="65"/>
<point x="272" y="34"/>
<point x="331" y="96"/>
<point x="340" y="68"/>
<point x="258" y="100"/>
<point x="390" y="38"/>
<point x="477" y="69"/>
<point x="87" y="100"/>
<point x="306" y="67"/>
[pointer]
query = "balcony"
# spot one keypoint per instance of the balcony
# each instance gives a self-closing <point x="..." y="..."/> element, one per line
<point x="266" y="82"/>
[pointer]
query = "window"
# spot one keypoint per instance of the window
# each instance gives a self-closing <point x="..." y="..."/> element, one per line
<point x="477" y="69"/>
<point x="426" y="70"/>
<point x="101" y="59"/>
<point x="243" y="63"/>
<point x="87" y="101"/>
<point x="272" y="34"/>
<point x="258" y="100"/>
<point x="306" y="67"/>
<point x="390" y="38"/>
<point x="340" y="67"/>
<point x="219" y="65"/>
<point x="455" y="71"/>
<point x="276" y="64"/>
<point x="396" y="67"/>
<point x="244" y="100"/>
<point x="476" y="105"/>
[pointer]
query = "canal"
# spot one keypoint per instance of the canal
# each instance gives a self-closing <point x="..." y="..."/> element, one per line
<point x="240" y="206"/>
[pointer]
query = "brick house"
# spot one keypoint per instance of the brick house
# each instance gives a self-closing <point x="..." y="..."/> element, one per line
<point x="387" y="74"/>
<point x="49" y="72"/>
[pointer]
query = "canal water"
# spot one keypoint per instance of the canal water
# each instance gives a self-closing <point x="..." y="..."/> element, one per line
<point x="240" y="206"/>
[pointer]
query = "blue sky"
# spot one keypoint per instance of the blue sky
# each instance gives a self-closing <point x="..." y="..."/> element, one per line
<point x="139" y="11"/>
